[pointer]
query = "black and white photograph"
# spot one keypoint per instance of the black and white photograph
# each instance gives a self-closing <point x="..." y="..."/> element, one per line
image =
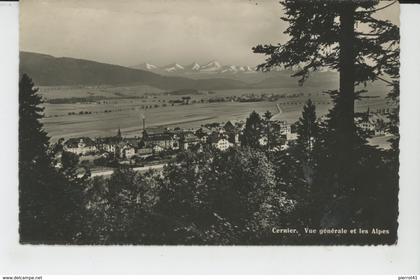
<point x="235" y="122"/>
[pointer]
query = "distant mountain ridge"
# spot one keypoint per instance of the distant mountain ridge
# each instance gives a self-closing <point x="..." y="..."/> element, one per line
<point x="47" y="70"/>
<point x="214" y="67"/>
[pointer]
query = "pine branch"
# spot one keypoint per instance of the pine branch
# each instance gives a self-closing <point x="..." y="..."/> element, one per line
<point x="378" y="9"/>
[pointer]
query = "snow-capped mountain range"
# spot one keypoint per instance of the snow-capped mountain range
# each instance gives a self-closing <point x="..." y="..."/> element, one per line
<point x="214" y="67"/>
<point x="216" y="70"/>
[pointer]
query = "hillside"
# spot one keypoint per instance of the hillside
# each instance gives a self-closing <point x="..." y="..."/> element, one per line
<point x="47" y="70"/>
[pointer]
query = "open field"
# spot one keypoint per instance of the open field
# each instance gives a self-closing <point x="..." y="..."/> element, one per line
<point x="104" y="117"/>
<point x="51" y="92"/>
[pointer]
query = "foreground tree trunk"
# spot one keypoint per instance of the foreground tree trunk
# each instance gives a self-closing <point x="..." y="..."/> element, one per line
<point x="339" y="210"/>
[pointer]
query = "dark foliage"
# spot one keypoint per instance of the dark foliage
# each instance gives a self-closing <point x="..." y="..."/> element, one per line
<point x="347" y="180"/>
<point x="49" y="203"/>
<point x="253" y="131"/>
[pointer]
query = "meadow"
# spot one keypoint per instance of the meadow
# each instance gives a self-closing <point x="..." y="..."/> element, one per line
<point x="123" y="108"/>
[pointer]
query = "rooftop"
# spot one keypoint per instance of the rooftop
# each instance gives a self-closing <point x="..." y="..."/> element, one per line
<point x="74" y="142"/>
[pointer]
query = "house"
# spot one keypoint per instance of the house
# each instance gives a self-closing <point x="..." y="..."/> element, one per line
<point x="291" y="136"/>
<point x="374" y="123"/>
<point x="202" y="134"/>
<point x="108" y="144"/>
<point x="363" y="121"/>
<point x="380" y="122"/>
<point x="203" y="138"/>
<point x="165" y="140"/>
<point x="229" y="126"/>
<point x="127" y="147"/>
<point x="127" y="151"/>
<point x="367" y="125"/>
<point x="219" y="141"/>
<point x="188" y="140"/>
<point x="284" y="128"/>
<point x="80" y="146"/>
<point x="380" y="127"/>
<point x="222" y="144"/>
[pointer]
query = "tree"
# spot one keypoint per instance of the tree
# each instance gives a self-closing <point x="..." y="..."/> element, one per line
<point x="267" y="122"/>
<point x="253" y="130"/>
<point x="347" y="37"/>
<point x="33" y="140"/>
<point x="120" y="209"/>
<point x="217" y="197"/>
<point x="305" y="148"/>
<point x="49" y="204"/>
<point x="324" y="34"/>
<point x="34" y="164"/>
<point x="267" y="116"/>
<point x="307" y="130"/>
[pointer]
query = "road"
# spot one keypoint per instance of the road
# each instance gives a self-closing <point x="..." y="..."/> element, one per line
<point x="141" y="169"/>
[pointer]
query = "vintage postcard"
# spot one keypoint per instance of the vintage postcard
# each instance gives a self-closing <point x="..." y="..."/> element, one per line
<point x="234" y="122"/>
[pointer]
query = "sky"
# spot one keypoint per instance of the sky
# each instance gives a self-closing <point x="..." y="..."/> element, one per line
<point x="130" y="32"/>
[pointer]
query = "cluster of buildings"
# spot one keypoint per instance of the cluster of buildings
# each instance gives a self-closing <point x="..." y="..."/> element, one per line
<point x="373" y="123"/>
<point x="220" y="136"/>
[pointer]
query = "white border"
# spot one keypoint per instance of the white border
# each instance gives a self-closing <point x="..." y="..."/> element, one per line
<point x="403" y="258"/>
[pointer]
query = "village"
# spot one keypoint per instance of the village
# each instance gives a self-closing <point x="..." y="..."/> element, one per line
<point x="161" y="144"/>
<point x="157" y="145"/>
